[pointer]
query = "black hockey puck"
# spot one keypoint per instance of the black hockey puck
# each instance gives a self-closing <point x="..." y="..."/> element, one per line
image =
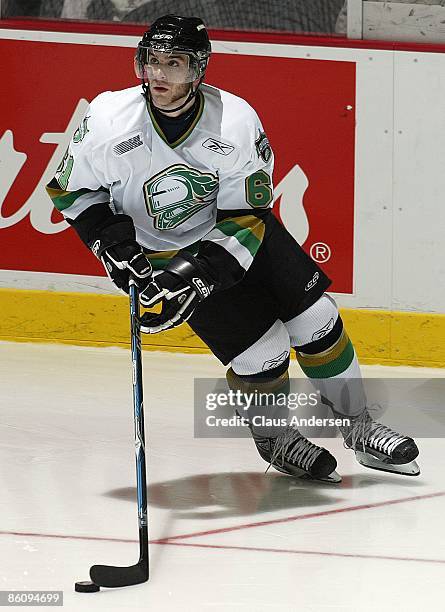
<point x="86" y="586"/>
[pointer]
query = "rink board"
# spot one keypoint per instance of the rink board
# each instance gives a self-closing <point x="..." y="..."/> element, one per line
<point x="379" y="336"/>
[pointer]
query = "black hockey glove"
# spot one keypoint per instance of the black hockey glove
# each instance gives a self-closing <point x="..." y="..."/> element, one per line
<point x="179" y="289"/>
<point x="116" y="246"/>
<point x="124" y="259"/>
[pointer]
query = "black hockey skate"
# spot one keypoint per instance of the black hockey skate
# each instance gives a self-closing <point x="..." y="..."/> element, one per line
<point x="379" y="447"/>
<point x="293" y="454"/>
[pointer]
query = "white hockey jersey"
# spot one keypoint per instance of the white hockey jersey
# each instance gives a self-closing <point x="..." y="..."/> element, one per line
<point x="173" y="192"/>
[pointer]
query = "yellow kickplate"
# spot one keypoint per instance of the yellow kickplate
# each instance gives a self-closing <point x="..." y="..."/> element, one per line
<point x="379" y="336"/>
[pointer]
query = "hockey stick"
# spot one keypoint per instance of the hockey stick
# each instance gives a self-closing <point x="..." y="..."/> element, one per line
<point x="109" y="575"/>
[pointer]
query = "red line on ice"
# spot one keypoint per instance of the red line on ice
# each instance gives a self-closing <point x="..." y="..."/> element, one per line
<point x="169" y="540"/>
<point x="30" y="534"/>
<point x="304" y="552"/>
<point x="166" y="542"/>
<point x="300" y="517"/>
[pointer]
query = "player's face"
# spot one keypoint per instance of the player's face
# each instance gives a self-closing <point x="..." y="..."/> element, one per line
<point x="169" y="78"/>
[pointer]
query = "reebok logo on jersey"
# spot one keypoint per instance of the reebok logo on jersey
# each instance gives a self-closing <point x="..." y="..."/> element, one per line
<point x="312" y="282"/>
<point x="218" y="147"/>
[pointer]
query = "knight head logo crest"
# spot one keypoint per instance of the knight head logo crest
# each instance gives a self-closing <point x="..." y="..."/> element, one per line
<point x="177" y="193"/>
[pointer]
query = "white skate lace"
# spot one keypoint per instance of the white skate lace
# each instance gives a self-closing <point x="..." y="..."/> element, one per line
<point x="294" y="448"/>
<point x="366" y="432"/>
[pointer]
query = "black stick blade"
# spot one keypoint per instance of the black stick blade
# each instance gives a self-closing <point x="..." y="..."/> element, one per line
<point x="112" y="576"/>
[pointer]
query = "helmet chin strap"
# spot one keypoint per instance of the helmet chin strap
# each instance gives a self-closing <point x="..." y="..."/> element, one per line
<point x="191" y="95"/>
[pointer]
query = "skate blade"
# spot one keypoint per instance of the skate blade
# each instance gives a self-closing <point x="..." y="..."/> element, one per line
<point x="403" y="469"/>
<point x="333" y="478"/>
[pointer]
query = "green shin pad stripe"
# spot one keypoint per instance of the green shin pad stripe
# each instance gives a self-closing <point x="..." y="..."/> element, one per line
<point x="333" y="368"/>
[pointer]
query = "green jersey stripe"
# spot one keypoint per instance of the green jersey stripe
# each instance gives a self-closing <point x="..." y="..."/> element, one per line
<point x="248" y="239"/>
<point x="68" y="198"/>
<point x="244" y="235"/>
<point x="233" y="246"/>
<point x="65" y="199"/>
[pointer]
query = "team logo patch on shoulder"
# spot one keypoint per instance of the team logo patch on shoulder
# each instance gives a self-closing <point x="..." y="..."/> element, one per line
<point x="127" y="145"/>
<point x="64" y="170"/>
<point x="263" y="147"/>
<point x="218" y="147"/>
<point x="177" y="193"/>
<point x="81" y="131"/>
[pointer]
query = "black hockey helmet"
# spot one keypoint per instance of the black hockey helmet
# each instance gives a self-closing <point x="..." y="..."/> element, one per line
<point x="173" y="33"/>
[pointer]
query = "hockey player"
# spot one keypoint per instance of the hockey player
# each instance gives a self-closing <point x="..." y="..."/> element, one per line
<point x="173" y="185"/>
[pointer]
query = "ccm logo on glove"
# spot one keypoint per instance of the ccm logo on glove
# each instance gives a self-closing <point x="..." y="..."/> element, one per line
<point x="202" y="288"/>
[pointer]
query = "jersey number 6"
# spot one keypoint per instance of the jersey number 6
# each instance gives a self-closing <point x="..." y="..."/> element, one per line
<point x="259" y="189"/>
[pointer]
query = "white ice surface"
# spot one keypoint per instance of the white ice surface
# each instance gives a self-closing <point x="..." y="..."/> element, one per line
<point x="67" y="500"/>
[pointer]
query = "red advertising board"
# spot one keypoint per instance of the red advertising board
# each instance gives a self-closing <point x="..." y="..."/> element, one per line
<point x="307" y="107"/>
